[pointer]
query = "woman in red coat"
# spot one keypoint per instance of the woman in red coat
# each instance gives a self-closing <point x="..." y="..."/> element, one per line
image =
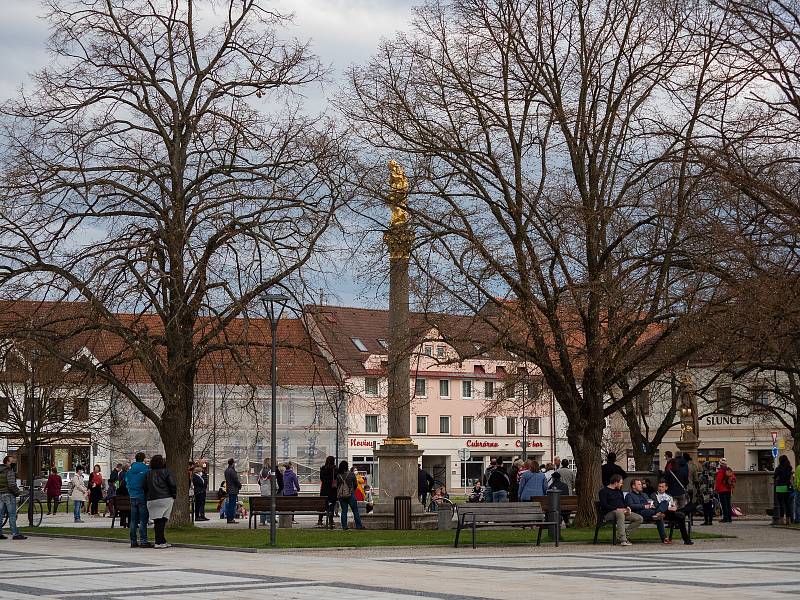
<point x="53" y="490"/>
<point x="723" y="485"/>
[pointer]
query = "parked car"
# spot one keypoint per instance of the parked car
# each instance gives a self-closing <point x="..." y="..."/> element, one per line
<point x="66" y="478"/>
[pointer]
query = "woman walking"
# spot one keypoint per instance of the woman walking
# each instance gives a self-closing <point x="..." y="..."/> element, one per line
<point x="160" y="489"/>
<point x="53" y="490"/>
<point x="95" y="490"/>
<point x="346" y="482"/>
<point x="327" y="489"/>
<point x="783" y="490"/>
<point x="79" y="493"/>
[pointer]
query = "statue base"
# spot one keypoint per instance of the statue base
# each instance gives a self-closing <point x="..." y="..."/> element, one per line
<point x="398" y="461"/>
<point x="690" y="447"/>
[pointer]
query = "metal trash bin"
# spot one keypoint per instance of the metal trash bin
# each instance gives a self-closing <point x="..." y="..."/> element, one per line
<point x="402" y="512"/>
<point x="554" y="513"/>
<point x="445" y="517"/>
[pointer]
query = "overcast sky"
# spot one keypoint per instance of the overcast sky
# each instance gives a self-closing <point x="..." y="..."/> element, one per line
<point x="342" y="32"/>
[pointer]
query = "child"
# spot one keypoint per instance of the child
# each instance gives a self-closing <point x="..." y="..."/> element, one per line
<point x="111" y="493"/>
<point x="368" y="498"/>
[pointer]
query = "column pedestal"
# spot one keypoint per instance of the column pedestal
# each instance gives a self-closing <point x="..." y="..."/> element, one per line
<point x="690" y="447"/>
<point x="398" y="468"/>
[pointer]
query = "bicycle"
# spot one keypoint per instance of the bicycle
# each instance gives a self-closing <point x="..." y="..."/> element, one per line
<point x="22" y="510"/>
<point x="442" y="504"/>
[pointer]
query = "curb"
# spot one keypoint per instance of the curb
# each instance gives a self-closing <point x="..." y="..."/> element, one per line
<point x="89" y="538"/>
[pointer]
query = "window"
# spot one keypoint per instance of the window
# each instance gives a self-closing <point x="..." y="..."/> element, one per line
<point x="444" y="388"/>
<point x="724" y="394"/>
<point x="511" y="425"/>
<point x="488" y="426"/>
<point x="359" y="344"/>
<point x="760" y="396"/>
<point x="371" y="386"/>
<point x="643" y="403"/>
<point x="55" y="409"/>
<point x="444" y="424"/>
<point x="466" y="426"/>
<point x="427" y="350"/>
<point x="534" y="425"/>
<point x="420" y="389"/>
<point x="439" y="351"/>
<point x="466" y="389"/>
<point x="422" y="424"/>
<point x="488" y="389"/>
<point x="384" y="343"/>
<point x="3" y="409"/>
<point x="371" y="423"/>
<point x="80" y="409"/>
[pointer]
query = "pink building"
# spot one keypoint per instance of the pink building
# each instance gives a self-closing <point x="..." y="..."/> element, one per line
<point x="466" y="394"/>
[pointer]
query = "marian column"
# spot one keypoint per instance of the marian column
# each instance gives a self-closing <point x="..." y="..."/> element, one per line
<point x="398" y="455"/>
<point x="687" y="404"/>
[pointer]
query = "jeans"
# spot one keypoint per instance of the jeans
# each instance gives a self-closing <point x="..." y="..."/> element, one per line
<point x="139" y="518"/>
<point x="725" y="501"/>
<point x="797" y="506"/>
<point x="230" y="507"/>
<point x="353" y="504"/>
<point x="647" y="515"/>
<point x="77" y="506"/>
<point x="199" y="506"/>
<point x="500" y="496"/>
<point x="8" y="506"/>
<point x="487" y="494"/>
<point x="633" y="520"/>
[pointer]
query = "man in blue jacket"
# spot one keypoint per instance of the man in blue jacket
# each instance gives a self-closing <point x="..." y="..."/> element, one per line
<point x="139" y="515"/>
<point x="646" y="507"/>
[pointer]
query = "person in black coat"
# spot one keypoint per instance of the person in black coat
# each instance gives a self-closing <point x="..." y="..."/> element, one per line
<point x="611" y="468"/>
<point x="200" y="491"/>
<point x="327" y="489"/>
<point x="424" y="484"/>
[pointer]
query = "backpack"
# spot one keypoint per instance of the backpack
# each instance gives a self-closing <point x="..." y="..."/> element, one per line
<point x="343" y="489"/>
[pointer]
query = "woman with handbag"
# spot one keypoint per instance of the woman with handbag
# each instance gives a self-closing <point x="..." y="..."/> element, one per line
<point x="346" y="483"/>
<point x="783" y="490"/>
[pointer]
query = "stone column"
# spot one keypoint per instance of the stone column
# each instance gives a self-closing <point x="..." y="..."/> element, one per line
<point x="398" y="456"/>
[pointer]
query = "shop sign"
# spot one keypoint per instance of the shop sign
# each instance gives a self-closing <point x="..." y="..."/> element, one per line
<point x="361" y="443"/>
<point x="531" y="444"/>
<point x="482" y="444"/>
<point x="723" y="420"/>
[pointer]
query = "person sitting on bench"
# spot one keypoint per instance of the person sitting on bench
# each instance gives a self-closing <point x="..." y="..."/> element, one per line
<point x="645" y="505"/>
<point x="612" y="507"/>
<point x="666" y="505"/>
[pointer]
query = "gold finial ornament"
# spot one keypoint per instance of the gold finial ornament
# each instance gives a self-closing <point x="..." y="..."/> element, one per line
<point x="398" y="236"/>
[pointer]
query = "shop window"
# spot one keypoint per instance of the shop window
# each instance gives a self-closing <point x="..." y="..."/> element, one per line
<point x="643" y="403"/>
<point x="488" y="426"/>
<point x="80" y="409"/>
<point x="420" y="389"/>
<point x="511" y="425"/>
<point x="444" y="388"/>
<point x="422" y="424"/>
<point x="466" y="389"/>
<point x="444" y="425"/>
<point x="534" y="425"/>
<point x="371" y="386"/>
<point x="488" y="389"/>
<point x="724" y="395"/>
<point x="466" y="426"/>
<point x="371" y="423"/>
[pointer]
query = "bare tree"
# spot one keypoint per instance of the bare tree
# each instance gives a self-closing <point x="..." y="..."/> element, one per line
<point x="552" y="186"/>
<point x="161" y="172"/>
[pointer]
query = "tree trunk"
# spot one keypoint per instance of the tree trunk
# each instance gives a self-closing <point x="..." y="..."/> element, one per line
<point x="176" y="436"/>
<point x="585" y="442"/>
<point x="643" y="460"/>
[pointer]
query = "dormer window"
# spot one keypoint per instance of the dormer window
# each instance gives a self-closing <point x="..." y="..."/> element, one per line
<point x="359" y="344"/>
<point x="427" y="350"/>
<point x="384" y="343"/>
<point x="439" y="351"/>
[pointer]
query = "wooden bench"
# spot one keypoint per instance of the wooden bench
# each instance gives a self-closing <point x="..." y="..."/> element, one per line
<point x="287" y="505"/>
<point x="503" y="514"/>
<point x="568" y="504"/>
<point x="601" y="521"/>
<point x="122" y="504"/>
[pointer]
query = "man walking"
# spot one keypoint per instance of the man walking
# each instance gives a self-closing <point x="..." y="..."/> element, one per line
<point x="139" y="515"/>
<point x="232" y="484"/>
<point x="9" y="490"/>
<point x="612" y="506"/>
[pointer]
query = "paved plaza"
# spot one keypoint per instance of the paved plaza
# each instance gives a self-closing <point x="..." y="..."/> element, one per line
<point x="761" y="563"/>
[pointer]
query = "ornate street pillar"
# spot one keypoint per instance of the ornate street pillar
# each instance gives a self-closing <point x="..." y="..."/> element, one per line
<point x="398" y="456"/>
<point x="690" y="427"/>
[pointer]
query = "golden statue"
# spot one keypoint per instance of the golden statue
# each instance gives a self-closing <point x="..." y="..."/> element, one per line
<point x="398" y="194"/>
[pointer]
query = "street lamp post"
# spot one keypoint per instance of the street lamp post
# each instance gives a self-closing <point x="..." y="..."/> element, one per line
<point x="339" y="400"/>
<point x="32" y="440"/>
<point x="274" y="304"/>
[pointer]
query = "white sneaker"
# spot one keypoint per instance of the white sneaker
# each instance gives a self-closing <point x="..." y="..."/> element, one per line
<point x="622" y="543"/>
<point x="162" y="546"/>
